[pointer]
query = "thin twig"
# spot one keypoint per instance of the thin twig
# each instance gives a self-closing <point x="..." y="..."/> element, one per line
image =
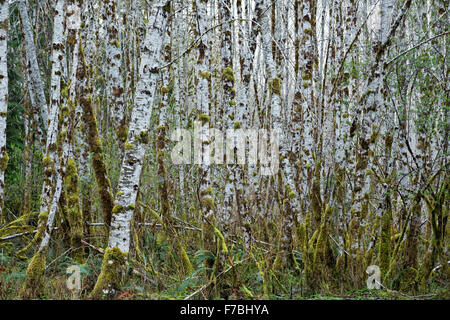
<point x="93" y="247"/>
<point x="17" y="235"/>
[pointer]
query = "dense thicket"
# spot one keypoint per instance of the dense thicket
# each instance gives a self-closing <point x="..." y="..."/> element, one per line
<point x="93" y="97"/>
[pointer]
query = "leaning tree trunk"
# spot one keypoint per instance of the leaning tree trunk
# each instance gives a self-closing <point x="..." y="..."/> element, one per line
<point x="116" y="255"/>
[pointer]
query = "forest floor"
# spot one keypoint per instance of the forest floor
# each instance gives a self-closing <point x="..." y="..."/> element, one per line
<point x="165" y="287"/>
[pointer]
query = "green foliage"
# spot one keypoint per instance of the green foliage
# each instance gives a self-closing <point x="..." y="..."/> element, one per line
<point x="329" y="248"/>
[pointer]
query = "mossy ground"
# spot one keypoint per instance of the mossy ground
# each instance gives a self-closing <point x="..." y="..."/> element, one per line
<point x="161" y="280"/>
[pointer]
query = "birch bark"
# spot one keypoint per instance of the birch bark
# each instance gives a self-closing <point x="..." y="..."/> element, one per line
<point x="228" y="212"/>
<point x="4" y="19"/>
<point x="115" y="257"/>
<point x="50" y="196"/>
<point x="114" y="80"/>
<point x="369" y="106"/>
<point x="52" y="163"/>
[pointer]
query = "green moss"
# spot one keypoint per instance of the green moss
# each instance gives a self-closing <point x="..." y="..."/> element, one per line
<point x="186" y="261"/>
<point x="164" y="90"/>
<point x="208" y="202"/>
<point x="128" y="146"/>
<point x="207" y="191"/>
<point x="276" y="86"/>
<point x="209" y="243"/>
<point x="385" y="245"/>
<point x="156" y="216"/>
<point x="71" y="170"/>
<point x="221" y="239"/>
<point x="112" y="272"/>
<point x="237" y="125"/>
<point x="117" y="209"/>
<point x="122" y="133"/>
<point x="143" y="137"/>
<point x="232" y="102"/>
<point x="321" y="252"/>
<point x="204" y="75"/>
<point x="65" y="91"/>
<point x="160" y="155"/>
<point x="115" y="43"/>
<point x="98" y="159"/>
<point x="74" y="213"/>
<point x="43" y="216"/>
<point x="228" y="74"/>
<point x="4" y="25"/>
<point x="4" y="161"/>
<point x="98" y="142"/>
<point x="35" y="276"/>
<point x="64" y="111"/>
<point x="204" y="118"/>
<point x="47" y="161"/>
<point x="63" y="134"/>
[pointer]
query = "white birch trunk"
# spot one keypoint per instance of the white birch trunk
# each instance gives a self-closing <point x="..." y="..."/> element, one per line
<point x="128" y="187"/>
<point x="4" y="19"/>
<point x="203" y="77"/>
<point x="304" y="100"/>
<point x="228" y="213"/>
<point x="114" y="77"/>
<point x="50" y="192"/>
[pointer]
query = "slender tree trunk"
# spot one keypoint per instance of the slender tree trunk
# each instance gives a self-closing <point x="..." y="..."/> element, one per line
<point x="53" y="165"/>
<point x="228" y="212"/>
<point x="116" y="255"/>
<point x="115" y="83"/>
<point x="366" y="120"/>
<point x="4" y="18"/>
<point x="93" y="139"/>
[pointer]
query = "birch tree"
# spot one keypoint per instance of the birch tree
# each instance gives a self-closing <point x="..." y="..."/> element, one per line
<point x="116" y="254"/>
<point x="115" y="83"/>
<point x="228" y="216"/>
<point x="353" y="93"/>
<point x="4" y="18"/>
<point x="370" y="104"/>
<point x="53" y="165"/>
